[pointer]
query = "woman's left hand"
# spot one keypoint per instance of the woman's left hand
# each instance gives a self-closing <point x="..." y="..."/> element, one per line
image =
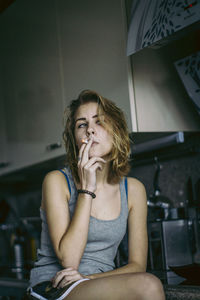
<point x="65" y="277"/>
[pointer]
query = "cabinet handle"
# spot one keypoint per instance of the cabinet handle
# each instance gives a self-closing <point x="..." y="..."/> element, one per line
<point x="4" y="164"/>
<point x="54" y="146"/>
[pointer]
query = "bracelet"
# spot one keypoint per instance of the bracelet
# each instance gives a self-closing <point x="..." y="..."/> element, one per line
<point x="87" y="192"/>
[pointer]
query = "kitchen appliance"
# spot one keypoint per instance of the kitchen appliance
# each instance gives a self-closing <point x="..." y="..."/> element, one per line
<point x="157" y="143"/>
<point x="193" y="205"/>
<point x="158" y="204"/>
<point x="177" y="249"/>
<point x="155" y="23"/>
<point x="169" y="245"/>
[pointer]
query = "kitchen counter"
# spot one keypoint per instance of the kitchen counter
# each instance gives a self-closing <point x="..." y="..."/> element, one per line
<point x="182" y="292"/>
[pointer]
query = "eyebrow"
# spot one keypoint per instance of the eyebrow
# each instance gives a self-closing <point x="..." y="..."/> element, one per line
<point x="83" y="119"/>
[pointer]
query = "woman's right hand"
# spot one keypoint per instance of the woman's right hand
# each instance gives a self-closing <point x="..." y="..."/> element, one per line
<point x="66" y="277"/>
<point x="87" y="167"/>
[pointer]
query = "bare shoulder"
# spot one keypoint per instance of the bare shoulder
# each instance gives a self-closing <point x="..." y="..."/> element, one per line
<point x="54" y="184"/>
<point x="54" y="180"/>
<point x="135" y="186"/>
<point x="53" y="176"/>
<point x="136" y="192"/>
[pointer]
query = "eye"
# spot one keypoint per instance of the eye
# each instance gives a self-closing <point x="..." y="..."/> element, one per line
<point x="98" y="122"/>
<point x="81" y="125"/>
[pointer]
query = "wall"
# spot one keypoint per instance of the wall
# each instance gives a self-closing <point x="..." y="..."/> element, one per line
<point x="176" y="168"/>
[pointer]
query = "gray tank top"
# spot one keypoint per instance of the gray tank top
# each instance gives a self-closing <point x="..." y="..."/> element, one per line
<point x="104" y="237"/>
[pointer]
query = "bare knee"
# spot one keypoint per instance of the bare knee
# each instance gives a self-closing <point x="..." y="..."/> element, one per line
<point x="154" y="287"/>
<point x="148" y="286"/>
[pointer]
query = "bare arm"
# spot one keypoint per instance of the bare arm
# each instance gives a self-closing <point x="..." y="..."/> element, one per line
<point x="69" y="237"/>
<point x="138" y="244"/>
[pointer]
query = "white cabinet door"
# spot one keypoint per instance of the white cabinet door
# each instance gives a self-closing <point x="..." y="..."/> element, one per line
<point x="49" y="52"/>
<point x="32" y="95"/>
<point x="93" y="45"/>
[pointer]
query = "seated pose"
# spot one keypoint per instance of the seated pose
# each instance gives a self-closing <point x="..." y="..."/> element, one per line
<point x="86" y="209"/>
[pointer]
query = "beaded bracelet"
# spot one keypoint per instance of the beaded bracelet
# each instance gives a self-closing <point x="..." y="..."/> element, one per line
<point x="86" y="192"/>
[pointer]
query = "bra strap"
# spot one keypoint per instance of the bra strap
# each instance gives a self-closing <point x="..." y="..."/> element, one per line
<point x="126" y="186"/>
<point x="67" y="180"/>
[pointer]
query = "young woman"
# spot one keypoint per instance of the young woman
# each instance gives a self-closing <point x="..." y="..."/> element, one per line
<point x="85" y="211"/>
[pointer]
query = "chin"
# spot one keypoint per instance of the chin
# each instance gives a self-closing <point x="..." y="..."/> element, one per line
<point x="94" y="155"/>
<point x="99" y="154"/>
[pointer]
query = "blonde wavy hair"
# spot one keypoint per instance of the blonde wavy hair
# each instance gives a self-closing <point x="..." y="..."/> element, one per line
<point x="113" y="120"/>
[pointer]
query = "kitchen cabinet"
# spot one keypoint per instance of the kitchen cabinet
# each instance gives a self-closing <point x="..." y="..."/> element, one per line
<point x="31" y="91"/>
<point x="52" y="50"/>
<point x="161" y="100"/>
<point x="93" y="47"/>
<point x="157" y="22"/>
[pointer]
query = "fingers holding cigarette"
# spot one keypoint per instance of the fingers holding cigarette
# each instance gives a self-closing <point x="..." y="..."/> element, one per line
<point x="84" y="150"/>
<point x="85" y="141"/>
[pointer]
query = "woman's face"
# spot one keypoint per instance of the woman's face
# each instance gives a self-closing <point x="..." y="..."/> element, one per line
<point x="88" y="125"/>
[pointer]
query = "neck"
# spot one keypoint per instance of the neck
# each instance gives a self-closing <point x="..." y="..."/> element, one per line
<point x="102" y="175"/>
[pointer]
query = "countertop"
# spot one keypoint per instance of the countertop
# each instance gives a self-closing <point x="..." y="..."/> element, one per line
<point x="182" y="292"/>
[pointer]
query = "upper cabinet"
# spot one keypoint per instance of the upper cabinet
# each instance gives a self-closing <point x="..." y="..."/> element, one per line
<point x="51" y="50"/>
<point x="155" y="23"/>
<point x="92" y="37"/>
<point x="30" y="86"/>
<point x="162" y="35"/>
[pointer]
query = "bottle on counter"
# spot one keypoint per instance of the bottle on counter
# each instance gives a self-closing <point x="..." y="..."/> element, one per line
<point x="18" y="253"/>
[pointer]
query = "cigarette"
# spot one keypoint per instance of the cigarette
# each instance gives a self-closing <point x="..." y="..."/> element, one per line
<point x="85" y="141"/>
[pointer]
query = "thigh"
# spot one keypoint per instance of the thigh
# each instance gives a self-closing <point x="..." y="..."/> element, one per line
<point x="125" y="286"/>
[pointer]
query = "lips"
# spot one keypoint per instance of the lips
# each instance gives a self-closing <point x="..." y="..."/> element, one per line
<point x="94" y="143"/>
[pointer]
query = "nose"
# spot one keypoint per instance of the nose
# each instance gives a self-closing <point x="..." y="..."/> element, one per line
<point x="90" y="131"/>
